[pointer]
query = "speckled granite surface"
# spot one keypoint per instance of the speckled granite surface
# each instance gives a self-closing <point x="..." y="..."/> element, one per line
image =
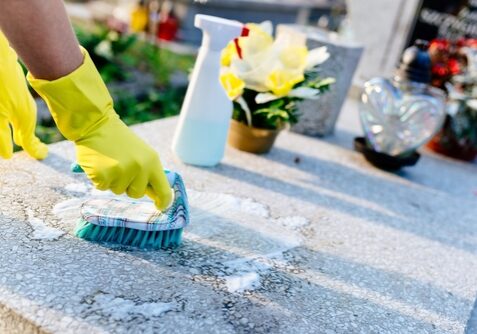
<point x="307" y="239"/>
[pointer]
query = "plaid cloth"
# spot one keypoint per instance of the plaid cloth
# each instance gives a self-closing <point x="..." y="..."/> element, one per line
<point x="140" y="215"/>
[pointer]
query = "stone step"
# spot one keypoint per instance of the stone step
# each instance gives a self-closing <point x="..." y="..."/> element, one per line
<point x="307" y="239"/>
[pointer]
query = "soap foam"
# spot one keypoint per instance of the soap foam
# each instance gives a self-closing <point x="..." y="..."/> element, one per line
<point x="247" y="281"/>
<point x="119" y="308"/>
<point x="41" y="231"/>
<point x="77" y="187"/>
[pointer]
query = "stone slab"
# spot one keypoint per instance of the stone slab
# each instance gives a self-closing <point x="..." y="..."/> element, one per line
<point x="382" y="26"/>
<point x="307" y="239"/>
<point x="318" y="117"/>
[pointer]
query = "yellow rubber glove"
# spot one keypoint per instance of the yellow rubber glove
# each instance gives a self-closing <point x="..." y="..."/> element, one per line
<point x="111" y="155"/>
<point x="17" y="107"/>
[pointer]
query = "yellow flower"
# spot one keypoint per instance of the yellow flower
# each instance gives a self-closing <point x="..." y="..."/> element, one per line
<point x="254" y="27"/>
<point x="281" y="82"/>
<point x="228" y="54"/>
<point x="255" y="42"/>
<point x="294" y="57"/>
<point x="139" y="19"/>
<point x="232" y="84"/>
<point x="268" y="65"/>
<point x="258" y="40"/>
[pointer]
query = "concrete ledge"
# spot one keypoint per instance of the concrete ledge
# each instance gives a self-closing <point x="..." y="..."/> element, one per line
<point x="306" y="239"/>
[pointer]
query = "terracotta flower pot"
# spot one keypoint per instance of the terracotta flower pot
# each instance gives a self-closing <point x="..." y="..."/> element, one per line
<point x="251" y="139"/>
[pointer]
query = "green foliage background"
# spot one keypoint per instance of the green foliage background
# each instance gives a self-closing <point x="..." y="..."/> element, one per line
<point x="129" y="53"/>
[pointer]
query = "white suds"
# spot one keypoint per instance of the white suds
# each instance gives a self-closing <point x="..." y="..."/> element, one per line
<point x="218" y="203"/>
<point x="292" y="222"/>
<point x="249" y="206"/>
<point x="77" y="187"/>
<point x="64" y="206"/>
<point x="259" y="263"/>
<point x="41" y="231"/>
<point x="247" y="281"/>
<point x="100" y="193"/>
<point x="152" y="309"/>
<point x="258" y="240"/>
<point x="121" y="309"/>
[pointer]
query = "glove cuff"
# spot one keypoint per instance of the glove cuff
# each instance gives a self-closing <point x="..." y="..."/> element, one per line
<point x="79" y="102"/>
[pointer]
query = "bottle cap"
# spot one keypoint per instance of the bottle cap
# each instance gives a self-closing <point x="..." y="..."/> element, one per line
<point x="415" y="63"/>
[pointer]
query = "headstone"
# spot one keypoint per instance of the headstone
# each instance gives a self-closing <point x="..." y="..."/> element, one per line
<point x="307" y="239"/>
<point x="382" y="27"/>
<point x="318" y="117"/>
<point x="445" y="19"/>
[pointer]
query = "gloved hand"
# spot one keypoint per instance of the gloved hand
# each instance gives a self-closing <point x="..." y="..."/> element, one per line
<point x="111" y="155"/>
<point x="17" y="107"/>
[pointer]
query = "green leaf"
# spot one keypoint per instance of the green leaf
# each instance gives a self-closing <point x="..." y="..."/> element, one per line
<point x="325" y="82"/>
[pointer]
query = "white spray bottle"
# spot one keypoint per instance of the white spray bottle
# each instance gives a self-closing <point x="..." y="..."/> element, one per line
<point x="205" y="116"/>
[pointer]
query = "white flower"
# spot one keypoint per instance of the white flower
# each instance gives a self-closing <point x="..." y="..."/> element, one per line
<point x="316" y="57"/>
<point x="262" y="56"/>
<point x="265" y="97"/>
<point x="305" y="93"/>
<point x="300" y="92"/>
<point x="246" y="109"/>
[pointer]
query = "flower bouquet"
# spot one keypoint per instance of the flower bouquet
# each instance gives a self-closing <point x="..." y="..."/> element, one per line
<point x="266" y="77"/>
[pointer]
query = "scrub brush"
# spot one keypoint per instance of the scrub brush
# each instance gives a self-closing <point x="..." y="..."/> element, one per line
<point x="133" y="222"/>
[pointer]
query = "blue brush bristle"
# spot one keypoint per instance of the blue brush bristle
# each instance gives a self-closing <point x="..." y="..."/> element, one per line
<point x="128" y="236"/>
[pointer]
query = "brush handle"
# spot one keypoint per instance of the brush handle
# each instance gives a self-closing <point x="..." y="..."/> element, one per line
<point x="171" y="176"/>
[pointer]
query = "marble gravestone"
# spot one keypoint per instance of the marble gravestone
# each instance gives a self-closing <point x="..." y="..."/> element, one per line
<point x="445" y="19"/>
<point x="309" y="238"/>
<point x="318" y="117"/>
<point x="382" y="27"/>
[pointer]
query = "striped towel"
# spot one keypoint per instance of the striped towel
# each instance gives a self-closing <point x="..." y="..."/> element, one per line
<point x="140" y="215"/>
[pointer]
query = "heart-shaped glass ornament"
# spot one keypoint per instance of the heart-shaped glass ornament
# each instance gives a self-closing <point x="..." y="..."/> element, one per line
<point x="400" y="116"/>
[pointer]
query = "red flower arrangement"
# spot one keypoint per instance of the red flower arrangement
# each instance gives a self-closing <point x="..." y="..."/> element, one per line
<point x="448" y="59"/>
<point x="458" y="137"/>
